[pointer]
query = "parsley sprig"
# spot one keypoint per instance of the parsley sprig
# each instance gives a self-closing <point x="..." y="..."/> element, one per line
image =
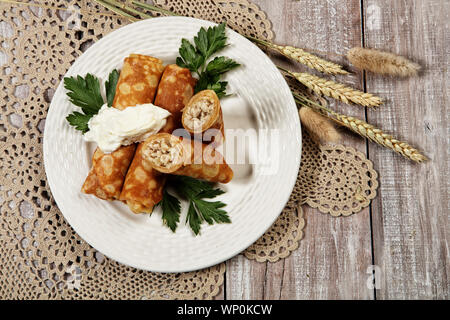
<point x="171" y="208"/>
<point x="207" y="43"/>
<point x="85" y="93"/>
<point x="110" y="86"/>
<point x="200" y="210"/>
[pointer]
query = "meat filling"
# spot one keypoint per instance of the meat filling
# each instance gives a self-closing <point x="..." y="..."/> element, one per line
<point x="199" y="113"/>
<point x="162" y="152"/>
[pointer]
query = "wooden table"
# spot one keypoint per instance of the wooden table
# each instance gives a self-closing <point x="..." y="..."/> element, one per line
<point x="404" y="235"/>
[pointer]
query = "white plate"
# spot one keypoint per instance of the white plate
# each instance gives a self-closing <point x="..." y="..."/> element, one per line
<point x="254" y="198"/>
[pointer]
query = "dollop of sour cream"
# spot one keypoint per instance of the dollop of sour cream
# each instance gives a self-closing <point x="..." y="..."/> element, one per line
<point x="111" y="128"/>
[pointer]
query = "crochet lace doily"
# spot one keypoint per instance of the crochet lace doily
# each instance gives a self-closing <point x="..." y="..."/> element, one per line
<point x="41" y="257"/>
<point x="337" y="180"/>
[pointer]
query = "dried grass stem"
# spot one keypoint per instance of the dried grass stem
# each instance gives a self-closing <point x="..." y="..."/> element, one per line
<point x="320" y="127"/>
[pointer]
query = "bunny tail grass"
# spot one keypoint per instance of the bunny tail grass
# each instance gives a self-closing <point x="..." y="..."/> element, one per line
<point x="381" y="62"/>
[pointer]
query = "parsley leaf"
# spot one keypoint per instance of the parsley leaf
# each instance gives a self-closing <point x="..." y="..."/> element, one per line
<point x="79" y="121"/>
<point x="220" y="65"/>
<point x="193" y="219"/>
<point x="211" y="211"/>
<point x="110" y="86"/>
<point x="207" y="42"/>
<point x="190" y="187"/>
<point x="189" y="56"/>
<point x="85" y="93"/>
<point x="219" y="88"/>
<point x="211" y="193"/>
<point x="207" y="81"/>
<point x="171" y="210"/>
<point x="210" y="41"/>
<point x="203" y="82"/>
<point x="199" y="210"/>
<point x="210" y="78"/>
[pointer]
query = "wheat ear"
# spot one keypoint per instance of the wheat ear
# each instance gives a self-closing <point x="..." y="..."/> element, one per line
<point x="335" y="90"/>
<point x="377" y="135"/>
<point x="382" y="62"/>
<point x="303" y="57"/>
<point x="308" y="59"/>
<point x="366" y="130"/>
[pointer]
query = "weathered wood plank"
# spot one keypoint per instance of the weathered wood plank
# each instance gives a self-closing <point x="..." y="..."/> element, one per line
<point x="333" y="257"/>
<point x="411" y="213"/>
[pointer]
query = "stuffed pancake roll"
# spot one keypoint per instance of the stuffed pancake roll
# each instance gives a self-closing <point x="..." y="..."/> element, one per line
<point x="110" y="169"/>
<point x="203" y="115"/>
<point x="138" y="81"/>
<point x="143" y="187"/>
<point x="167" y="153"/>
<point x="175" y="89"/>
<point x="92" y="186"/>
<point x="137" y="84"/>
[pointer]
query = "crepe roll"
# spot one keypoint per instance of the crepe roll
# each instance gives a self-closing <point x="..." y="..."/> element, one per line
<point x="137" y="84"/>
<point x="92" y="186"/>
<point x="143" y="187"/>
<point x="167" y="153"/>
<point x="175" y="89"/>
<point x="203" y="115"/>
<point x="138" y="81"/>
